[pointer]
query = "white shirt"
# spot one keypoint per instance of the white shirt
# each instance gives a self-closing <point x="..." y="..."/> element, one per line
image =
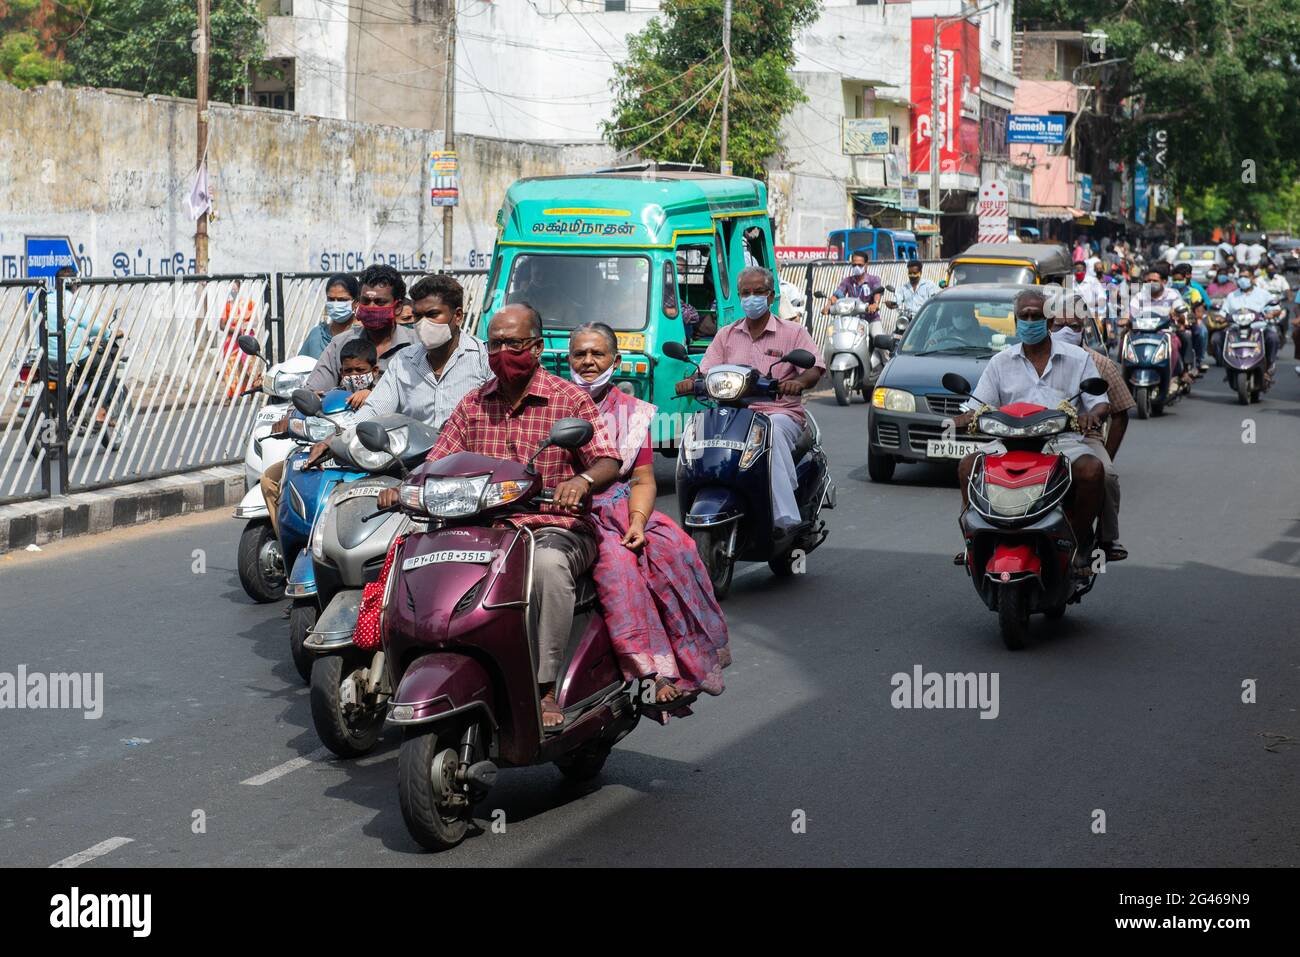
<point x="1256" y="298"/>
<point x="1011" y="377"/>
<point x="1168" y="299"/>
<point x="1094" y="293"/>
<point x="409" y="386"/>
<point x="914" y="299"/>
<point x="1254" y="253"/>
<point x="1222" y="252"/>
<point x="1241" y="251"/>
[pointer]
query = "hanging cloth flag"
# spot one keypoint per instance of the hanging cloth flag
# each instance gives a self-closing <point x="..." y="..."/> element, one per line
<point x="199" y="200"/>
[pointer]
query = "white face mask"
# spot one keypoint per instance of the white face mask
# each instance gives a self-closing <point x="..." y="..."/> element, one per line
<point x="1067" y="335"/>
<point x="433" y="335"/>
<point x="596" y="384"/>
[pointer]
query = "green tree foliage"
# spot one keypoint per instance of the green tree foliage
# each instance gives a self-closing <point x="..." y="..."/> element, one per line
<point x="29" y="55"/>
<point x="1219" y="77"/>
<point x="151" y="45"/>
<point x="667" y="92"/>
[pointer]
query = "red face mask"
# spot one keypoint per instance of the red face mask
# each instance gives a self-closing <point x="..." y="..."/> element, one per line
<point x="377" y="317"/>
<point x="513" y="368"/>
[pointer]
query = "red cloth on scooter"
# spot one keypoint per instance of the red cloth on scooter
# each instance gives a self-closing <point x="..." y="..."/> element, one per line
<point x="366" y="636"/>
<point x="658" y="603"/>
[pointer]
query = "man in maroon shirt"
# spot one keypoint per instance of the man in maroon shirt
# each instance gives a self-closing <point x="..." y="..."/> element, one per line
<point x="509" y="417"/>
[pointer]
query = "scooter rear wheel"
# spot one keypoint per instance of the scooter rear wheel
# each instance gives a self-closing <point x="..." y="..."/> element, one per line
<point x="585" y="763"/>
<point x="435" y="825"/>
<point x="261" y="570"/>
<point x="1013" y="615"/>
<point x="302" y="617"/>
<point x="346" y="737"/>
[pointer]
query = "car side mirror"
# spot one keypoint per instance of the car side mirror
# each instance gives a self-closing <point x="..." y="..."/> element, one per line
<point x="373" y="436"/>
<point x="884" y="341"/>
<point x="571" y="433"/>
<point x="306" y="401"/>
<point x="955" y="383"/>
<point x="1093" y="386"/>
<point x="800" y="358"/>
<point x="249" y="346"/>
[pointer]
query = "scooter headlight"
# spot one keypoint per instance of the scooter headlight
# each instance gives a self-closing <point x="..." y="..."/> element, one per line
<point x="501" y="493"/>
<point x="893" y="400"/>
<point x="374" y="461"/>
<point x="314" y="428"/>
<point x="725" y="384"/>
<point x="1013" y="502"/>
<point x="283" y="383"/>
<point x="412" y="497"/>
<point x="454" y="497"/>
<point x="318" y="529"/>
<point x="755" y="443"/>
<point x="991" y="426"/>
<point x="1130" y="354"/>
<point x="1162" y="352"/>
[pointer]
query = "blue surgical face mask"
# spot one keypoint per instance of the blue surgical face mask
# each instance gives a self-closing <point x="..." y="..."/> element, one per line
<point x="755" y="307"/>
<point x="1244" y="283"/>
<point x="1031" y="330"/>
<point x="1222" y="277"/>
<point x="338" y="310"/>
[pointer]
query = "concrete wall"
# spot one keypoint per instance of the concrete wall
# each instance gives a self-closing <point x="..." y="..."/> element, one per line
<point x="292" y="192"/>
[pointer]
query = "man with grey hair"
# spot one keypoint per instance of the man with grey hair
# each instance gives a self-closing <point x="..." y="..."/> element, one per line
<point x="757" y="341"/>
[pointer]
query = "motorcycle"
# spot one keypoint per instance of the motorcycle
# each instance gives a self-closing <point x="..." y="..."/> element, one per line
<point x="95" y="380"/>
<point x="457" y="643"/>
<point x="1216" y="320"/>
<point x="1244" y="355"/>
<point x="723" y="474"/>
<point x="302" y="495"/>
<point x="1150" y="355"/>
<point x="850" y="358"/>
<point x="348" y="549"/>
<point x="260" y="564"/>
<point x="1020" y="549"/>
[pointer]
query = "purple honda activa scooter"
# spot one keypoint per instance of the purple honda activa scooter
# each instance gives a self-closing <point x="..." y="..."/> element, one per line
<point x="458" y="643"/>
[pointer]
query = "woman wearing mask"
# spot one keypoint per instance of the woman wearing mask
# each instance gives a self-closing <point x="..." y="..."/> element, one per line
<point x="663" y="619"/>
<point x="341" y="294"/>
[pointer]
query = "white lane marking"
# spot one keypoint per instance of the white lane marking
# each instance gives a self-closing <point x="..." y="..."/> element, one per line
<point x="376" y="759"/>
<point x="280" y="770"/>
<point x="90" y="853"/>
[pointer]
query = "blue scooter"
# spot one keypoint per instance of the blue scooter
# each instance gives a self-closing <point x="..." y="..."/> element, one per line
<point x="724" y="486"/>
<point x="1148" y="354"/>
<point x="302" y="494"/>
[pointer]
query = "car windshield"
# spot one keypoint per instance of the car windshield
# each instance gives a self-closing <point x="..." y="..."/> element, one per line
<point x="961" y="327"/>
<point x="571" y="290"/>
<point x="991" y="272"/>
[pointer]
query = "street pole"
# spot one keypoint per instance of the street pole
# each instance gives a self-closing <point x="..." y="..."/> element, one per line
<point x="724" y="166"/>
<point x="449" y="130"/>
<point x="936" y="240"/>
<point x="201" y="91"/>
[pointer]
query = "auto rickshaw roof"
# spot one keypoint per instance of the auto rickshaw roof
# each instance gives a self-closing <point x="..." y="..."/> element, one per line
<point x="1047" y="258"/>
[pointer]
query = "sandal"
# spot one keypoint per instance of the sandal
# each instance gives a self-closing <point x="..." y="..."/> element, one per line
<point x="1115" y="552"/>
<point x="683" y="698"/>
<point x="550" y="706"/>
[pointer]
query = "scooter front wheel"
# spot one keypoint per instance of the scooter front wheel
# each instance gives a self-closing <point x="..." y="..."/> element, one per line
<point x="1143" y="399"/>
<point x="261" y="569"/>
<point x="711" y="545"/>
<point x="347" y="735"/>
<point x="1013" y="615"/>
<point x="426" y="770"/>
<point x="302" y="617"/>
<point x="843" y="387"/>
<point x="1243" y="388"/>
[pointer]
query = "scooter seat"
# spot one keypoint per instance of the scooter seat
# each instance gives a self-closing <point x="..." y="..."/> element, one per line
<point x="584" y="594"/>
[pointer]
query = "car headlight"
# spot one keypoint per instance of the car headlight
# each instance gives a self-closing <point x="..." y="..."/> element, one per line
<point x="454" y="497"/>
<point x="755" y="443"/>
<point x="725" y="385"/>
<point x="283" y="383"/>
<point x="893" y="400"/>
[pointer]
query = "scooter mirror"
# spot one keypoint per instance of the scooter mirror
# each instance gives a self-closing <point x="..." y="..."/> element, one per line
<point x="249" y="346"/>
<point x="676" y="350"/>
<point x="571" y="433"/>
<point x="1093" y="386"/>
<point x="818" y="294"/>
<point x="801" y="358"/>
<point x="306" y="401"/>
<point x="889" y="289"/>
<point x="372" y="436"/>
<point x="955" y="383"/>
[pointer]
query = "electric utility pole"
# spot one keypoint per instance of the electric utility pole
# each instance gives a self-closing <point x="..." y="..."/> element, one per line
<point x="201" y="84"/>
<point x="724" y="166"/>
<point x="449" y="128"/>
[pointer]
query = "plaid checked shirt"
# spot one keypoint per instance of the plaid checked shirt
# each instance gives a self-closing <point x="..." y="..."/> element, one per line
<point x="484" y="423"/>
<point x="1117" y="393"/>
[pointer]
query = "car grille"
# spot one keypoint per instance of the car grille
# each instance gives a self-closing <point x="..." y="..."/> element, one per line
<point x="945" y="404"/>
<point x="918" y="435"/>
<point x="887" y="435"/>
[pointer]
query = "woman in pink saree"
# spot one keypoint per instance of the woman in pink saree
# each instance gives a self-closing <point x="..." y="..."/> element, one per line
<point x="663" y="620"/>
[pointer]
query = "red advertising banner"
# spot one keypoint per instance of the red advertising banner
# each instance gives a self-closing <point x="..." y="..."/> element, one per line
<point x="959" y="92"/>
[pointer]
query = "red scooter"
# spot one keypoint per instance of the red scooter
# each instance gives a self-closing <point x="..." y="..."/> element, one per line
<point x="458" y="647"/>
<point x="1021" y="553"/>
